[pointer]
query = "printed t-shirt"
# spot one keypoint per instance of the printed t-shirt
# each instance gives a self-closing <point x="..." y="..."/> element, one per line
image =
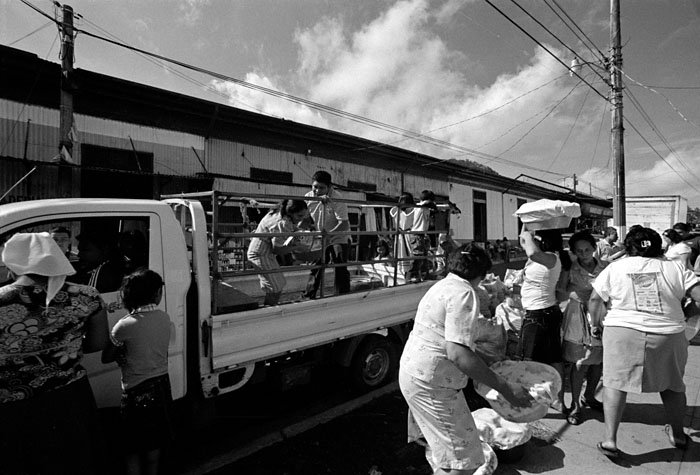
<point x="645" y="293"/>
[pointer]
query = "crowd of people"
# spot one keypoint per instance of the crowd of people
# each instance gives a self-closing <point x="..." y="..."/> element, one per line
<point x="595" y="312"/>
<point x="623" y="322"/>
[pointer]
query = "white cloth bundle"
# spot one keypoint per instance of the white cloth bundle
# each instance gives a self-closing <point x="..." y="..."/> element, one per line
<point x="548" y="214"/>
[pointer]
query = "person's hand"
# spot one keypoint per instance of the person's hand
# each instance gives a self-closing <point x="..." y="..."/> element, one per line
<point x="525" y="237"/>
<point x="325" y="199"/>
<point x="517" y="395"/>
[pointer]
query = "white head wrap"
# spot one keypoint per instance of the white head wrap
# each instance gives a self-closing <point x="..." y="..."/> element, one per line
<point x="38" y="253"/>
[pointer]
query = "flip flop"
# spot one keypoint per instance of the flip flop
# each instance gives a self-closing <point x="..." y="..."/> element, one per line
<point x="612" y="454"/>
<point x="672" y="440"/>
<point x="574" y="418"/>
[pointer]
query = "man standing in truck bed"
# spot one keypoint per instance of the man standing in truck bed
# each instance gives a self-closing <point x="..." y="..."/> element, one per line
<point x="330" y="216"/>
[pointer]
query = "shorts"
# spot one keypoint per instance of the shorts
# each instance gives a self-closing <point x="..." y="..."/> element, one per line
<point x="540" y="336"/>
<point x="145" y="415"/>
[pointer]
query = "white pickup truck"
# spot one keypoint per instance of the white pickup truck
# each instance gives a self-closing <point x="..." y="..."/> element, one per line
<point x="213" y="348"/>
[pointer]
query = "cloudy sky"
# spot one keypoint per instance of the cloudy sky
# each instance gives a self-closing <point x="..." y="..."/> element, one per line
<point x="457" y="72"/>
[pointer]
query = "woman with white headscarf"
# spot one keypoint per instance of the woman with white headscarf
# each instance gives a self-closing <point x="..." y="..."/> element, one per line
<point x="47" y="409"/>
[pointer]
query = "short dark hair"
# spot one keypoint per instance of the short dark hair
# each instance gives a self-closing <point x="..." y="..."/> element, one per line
<point x="673" y="235"/>
<point x="609" y="231"/>
<point x="682" y="226"/>
<point x="469" y="261"/>
<point x="406" y="198"/>
<point x="581" y="236"/>
<point x="140" y="288"/>
<point x="644" y="242"/>
<point x="427" y="195"/>
<point x="322" y="177"/>
<point x="60" y="229"/>
<point x="289" y="207"/>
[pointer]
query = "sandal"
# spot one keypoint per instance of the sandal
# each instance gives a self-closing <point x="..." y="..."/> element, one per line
<point x="672" y="440"/>
<point x="574" y="418"/>
<point x="609" y="453"/>
<point x="594" y="404"/>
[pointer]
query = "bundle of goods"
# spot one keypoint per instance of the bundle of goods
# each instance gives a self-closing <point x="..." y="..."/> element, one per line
<point x="505" y="437"/>
<point x="542" y="381"/>
<point x="547" y="214"/>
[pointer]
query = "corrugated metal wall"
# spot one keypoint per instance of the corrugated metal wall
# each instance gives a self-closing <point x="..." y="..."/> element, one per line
<point x="42" y="140"/>
<point x="43" y="183"/>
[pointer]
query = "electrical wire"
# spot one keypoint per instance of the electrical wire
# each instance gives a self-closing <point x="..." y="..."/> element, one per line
<point x="557" y="38"/>
<point x="538" y="123"/>
<point x="546" y="49"/>
<point x="649" y="88"/>
<point x="659" y="155"/>
<point x="26" y="101"/>
<point x="31" y="33"/>
<point x="602" y="55"/>
<point x="482" y="114"/>
<point x="331" y="110"/>
<point x="600" y="131"/>
<point x="571" y="129"/>
<point x="658" y="133"/>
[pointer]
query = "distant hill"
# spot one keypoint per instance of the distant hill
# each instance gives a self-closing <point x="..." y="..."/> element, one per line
<point x="472" y="165"/>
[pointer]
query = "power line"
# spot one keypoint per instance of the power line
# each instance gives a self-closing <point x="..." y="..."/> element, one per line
<point x="31" y="33"/>
<point x="308" y="103"/>
<point x="556" y="37"/>
<point x="658" y="154"/>
<point x="600" y="130"/>
<point x="571" y="129"/>
<point x="545" y="48"/>
<point x="469" y="118"/>
<point x="602" y="55"/>
<point x="649" y="88"/>
<point x="538" y="123"/>
<point x="658" y="133"/>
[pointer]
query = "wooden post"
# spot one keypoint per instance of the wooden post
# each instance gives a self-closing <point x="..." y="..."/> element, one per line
<point x="618" y="148"/>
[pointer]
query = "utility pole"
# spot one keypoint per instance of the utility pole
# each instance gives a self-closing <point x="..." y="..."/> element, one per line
<point x="65" y="171"/>
<point x="618" y="146"/>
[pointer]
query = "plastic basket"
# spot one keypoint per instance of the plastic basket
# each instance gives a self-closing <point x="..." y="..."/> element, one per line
<point x="560" y="222"/>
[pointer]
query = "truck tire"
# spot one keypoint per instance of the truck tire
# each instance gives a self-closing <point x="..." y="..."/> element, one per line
<point x="374" y="363"/>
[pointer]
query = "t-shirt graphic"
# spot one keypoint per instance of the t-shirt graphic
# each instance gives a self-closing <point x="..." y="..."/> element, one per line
<point x="646" y="292"/>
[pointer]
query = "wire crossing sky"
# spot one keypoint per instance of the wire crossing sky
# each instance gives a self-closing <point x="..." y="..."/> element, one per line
<point x="451" y="79"/>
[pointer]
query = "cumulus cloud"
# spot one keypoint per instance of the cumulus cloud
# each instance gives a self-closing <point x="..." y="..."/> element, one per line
<point x="677" y="172"/>
<point x="397" y="70"/>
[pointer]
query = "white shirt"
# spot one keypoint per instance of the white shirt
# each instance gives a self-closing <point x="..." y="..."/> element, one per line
<point x="539" y="285"/>
<point x="645" y="293"/>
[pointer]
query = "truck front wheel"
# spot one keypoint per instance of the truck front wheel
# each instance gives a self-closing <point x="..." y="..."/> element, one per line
<point x="374" y="363"/>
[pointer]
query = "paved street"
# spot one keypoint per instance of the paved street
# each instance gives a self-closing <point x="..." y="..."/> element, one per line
<point x="372" y="437"/>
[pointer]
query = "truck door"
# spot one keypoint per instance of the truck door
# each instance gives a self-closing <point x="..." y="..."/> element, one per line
<point x="124" y="241"/>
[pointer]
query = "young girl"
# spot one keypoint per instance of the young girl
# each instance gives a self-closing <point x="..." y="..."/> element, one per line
<point x="139" y="344"/>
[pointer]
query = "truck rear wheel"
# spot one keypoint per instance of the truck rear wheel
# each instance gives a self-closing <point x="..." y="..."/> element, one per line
<point x="374" y="363"/>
